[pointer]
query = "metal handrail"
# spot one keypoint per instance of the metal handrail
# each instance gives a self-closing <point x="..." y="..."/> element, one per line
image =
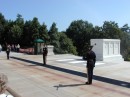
<point x="12" y="92"/>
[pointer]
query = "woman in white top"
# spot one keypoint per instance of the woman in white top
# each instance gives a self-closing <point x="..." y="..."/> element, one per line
<point x="3" y="86"/>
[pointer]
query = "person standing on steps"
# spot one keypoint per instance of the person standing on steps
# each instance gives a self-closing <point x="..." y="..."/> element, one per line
<point x="91" y="60"/>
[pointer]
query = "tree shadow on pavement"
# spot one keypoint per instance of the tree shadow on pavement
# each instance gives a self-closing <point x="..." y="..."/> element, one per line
<point x="81" y="74"/>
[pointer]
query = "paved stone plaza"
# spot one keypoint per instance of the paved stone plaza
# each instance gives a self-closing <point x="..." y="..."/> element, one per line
<point x="64" y="76"/>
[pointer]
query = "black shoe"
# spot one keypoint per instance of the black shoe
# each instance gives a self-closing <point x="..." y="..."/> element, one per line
<point x="87" y="83"/>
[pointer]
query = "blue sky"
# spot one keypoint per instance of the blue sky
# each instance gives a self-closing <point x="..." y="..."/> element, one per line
<point x="63" y="12"/>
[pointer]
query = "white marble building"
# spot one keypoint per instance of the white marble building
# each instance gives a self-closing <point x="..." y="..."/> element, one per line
<point x="107" y="49"/>
<point x="50" y="49"/>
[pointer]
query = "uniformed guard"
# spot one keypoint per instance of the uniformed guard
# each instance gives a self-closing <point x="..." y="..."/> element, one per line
<point x="45" y="51"/>
<point x="8" y="51"/>
<point x="91" y="59"/>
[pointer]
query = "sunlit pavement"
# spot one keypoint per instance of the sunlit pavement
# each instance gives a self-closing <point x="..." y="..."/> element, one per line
<point x="64" y="76"/>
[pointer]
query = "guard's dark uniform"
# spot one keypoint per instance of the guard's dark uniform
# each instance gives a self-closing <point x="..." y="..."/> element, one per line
<point x="45" y="51"/>
<point x="91" y="59"/>
<point x="8" y="51"/>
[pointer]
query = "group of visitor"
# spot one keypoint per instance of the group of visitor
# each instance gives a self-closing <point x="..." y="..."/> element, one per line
<point x="9" y="48"/>
<point x="15" y="48"/>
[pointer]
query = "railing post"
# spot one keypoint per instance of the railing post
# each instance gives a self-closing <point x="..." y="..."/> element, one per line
<point x="12" y="92"/>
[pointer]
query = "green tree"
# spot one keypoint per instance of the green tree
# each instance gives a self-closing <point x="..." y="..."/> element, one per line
<point x="97" y="33"/>
<point x="43" y="33"/>
<point x="66" y="44"/>
<point x="16" y="33"/>
<point x="54" y="37"/>
<point x="8" y="35"/>
<point x="53" y="33"/>
<point x="2" y="28"/>
<point x="125" y="28"/>
<point x="125" y="42"/>
<point x="26" y="40"/>
<point x="33" y="30"/>
<point x="111" y="30"/>
<point x="19" y="21"/>
<point x="127" y="54"/>
<point x="17" y="29"/>
<point x="35" y="25"/>
<point x="80" y="32"/>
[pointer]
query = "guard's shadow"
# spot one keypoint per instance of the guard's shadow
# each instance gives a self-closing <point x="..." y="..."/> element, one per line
<point x="81" y="74"/>
<point x="69" y="85"/>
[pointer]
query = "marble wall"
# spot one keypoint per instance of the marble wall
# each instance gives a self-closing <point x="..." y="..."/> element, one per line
<point x="50" y="49"/>
<point x="106" y="49"/>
